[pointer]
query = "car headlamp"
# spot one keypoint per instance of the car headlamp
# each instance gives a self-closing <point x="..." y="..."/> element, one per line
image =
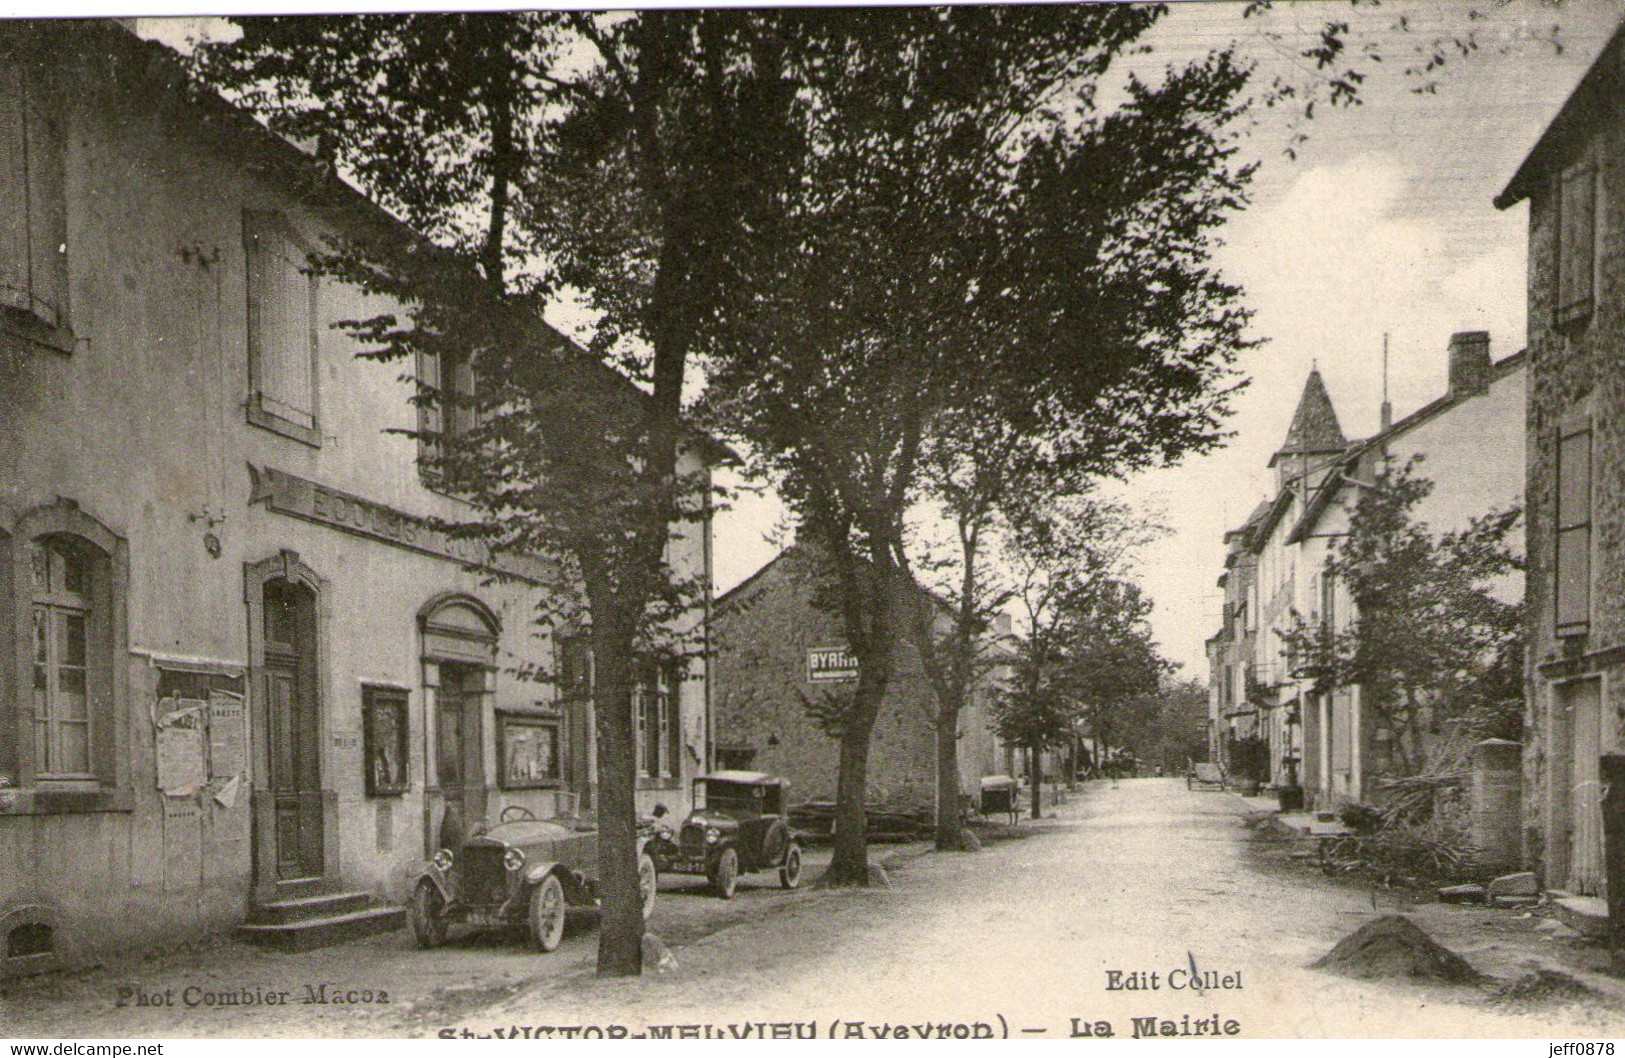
<point x="712" y="835"/>
<point x="513" y="859"/>
<point x="443" y="859"/>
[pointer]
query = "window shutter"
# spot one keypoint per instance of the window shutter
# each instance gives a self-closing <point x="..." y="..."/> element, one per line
<point x="430" y="417"/>
<point x="47" y="216"/>
<point x="13" y="192"/>
<point x="288" y="389"/>
<point x="1572" y="565"/>
<point x="1577" y="231"/>
<point x="281" y="318"/>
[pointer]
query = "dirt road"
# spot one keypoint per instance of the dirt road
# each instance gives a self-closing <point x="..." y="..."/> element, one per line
<point x="1140" y="879"/>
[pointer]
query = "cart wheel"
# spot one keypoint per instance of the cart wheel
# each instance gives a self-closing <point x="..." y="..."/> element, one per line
<point x="547" y="913"/>
<point x="790" y="873"/>
<point x="428" y="921"/>
<point x="648" y="884"/>
<point x="725" y="875"/>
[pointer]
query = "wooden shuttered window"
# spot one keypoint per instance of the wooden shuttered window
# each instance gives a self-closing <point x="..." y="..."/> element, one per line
<point x="282" y="346"/>
<point x="448" y="408"/>
<point x="1577" y="232"/>
<point x="33" y="210"/>
<point x="1572" y="565"/>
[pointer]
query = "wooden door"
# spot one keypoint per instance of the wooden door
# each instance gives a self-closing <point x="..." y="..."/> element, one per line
<point x="294" y="729"/>
<point x="459" y="756"/>
<point x="1584" y="708"/>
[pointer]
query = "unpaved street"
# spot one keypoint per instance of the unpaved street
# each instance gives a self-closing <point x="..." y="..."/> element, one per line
<point x="1141" y="877"/>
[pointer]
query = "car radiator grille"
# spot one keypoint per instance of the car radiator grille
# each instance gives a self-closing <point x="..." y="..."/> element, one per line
<point x="485" y="879"/>
<point x="693" y="838"/>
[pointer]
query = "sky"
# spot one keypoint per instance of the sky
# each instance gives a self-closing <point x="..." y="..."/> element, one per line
<point x="1381" y="225"/>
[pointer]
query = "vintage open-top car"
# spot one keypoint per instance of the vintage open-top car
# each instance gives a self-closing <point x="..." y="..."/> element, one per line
<point x="738" y="824"/>
<point x="522" y="872"/>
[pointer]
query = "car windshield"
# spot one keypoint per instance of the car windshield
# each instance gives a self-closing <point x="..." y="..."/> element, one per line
<point x="731" y="798"/>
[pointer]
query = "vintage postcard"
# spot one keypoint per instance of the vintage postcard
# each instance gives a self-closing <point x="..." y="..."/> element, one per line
<point x="1065" y="521"/>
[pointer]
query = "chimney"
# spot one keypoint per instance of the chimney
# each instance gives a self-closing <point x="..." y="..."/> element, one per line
<point x="1469" y="363"/>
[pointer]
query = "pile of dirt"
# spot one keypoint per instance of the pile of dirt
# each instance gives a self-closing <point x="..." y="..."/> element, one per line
<point x="1395" y="947"/>
<point x="1540" y="987"/>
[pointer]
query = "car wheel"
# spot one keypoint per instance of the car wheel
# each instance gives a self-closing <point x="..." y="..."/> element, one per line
<point x="648" y="885"/>
<point x="790" y="873"/>
<point x="725" y="875"/>
<point x="547" y="913"/>
<point x="428" y="915"/>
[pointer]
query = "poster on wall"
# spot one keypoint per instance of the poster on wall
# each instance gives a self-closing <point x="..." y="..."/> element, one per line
<point x="384" y="737"/>
<point x="530" y="751"/>
<point x="228" y="736"/>
<point x="180" y="746"/>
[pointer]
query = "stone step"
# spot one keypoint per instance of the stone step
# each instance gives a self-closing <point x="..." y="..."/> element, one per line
<point x="309" y="933"/>
<point x="1588" y="914"/>
<point x="322" y="905"/>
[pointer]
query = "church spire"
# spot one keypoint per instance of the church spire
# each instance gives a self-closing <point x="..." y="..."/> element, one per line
<point x="1315" y="429"/>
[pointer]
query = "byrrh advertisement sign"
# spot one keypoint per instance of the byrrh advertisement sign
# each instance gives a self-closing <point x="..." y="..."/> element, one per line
<point x="830" y="664"/>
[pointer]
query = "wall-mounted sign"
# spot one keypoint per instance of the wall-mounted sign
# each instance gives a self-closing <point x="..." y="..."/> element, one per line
<point x="831" y="664"/>
<point x="292" y="495"/>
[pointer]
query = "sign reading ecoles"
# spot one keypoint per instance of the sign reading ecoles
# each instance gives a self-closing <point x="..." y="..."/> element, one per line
<point x="293" y="495"/>
<point x="828" y="664"/>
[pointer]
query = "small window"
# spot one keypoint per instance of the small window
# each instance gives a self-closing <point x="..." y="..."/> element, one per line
<point x="282" y="346"/>
<point x="1572" y="565"/>
<point x="33" y="210"/>
<point x="1577" y="226"/>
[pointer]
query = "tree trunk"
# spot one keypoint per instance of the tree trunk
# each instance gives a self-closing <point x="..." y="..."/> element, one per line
<point x="1036" y="773"/>
<point x="849" y="863"/>
<point x="620" y="938"/>
<point x="949" y="836"/>
<point x="873" y="612"/>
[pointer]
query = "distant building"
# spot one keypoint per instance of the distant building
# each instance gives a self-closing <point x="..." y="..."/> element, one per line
<point x="1470" y="439"/>
<point x="1574" y="181"/>
<point x="780" y="647"/>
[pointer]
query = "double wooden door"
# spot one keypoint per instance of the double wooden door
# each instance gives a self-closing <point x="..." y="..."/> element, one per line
<point x="294" y="743"/>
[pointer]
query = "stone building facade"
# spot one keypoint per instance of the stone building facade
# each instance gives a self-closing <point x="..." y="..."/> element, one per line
<point x="1469" y="442"/>
<point x="237" y="665"/>
<point x="1574" y="182"/>
<point x="778" y="649"/>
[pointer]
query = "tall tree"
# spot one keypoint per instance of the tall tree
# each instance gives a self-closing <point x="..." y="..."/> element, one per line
<point x="1109" y="663"/>
<point x="980" y="217"/>
<point x="1070" y="560"/>
<point x="466" y="125"/>
<point x="1430" y="636"/>
<point x="983" y="476"/>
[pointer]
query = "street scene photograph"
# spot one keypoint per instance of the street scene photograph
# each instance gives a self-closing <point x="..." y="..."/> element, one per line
<point x="1076" y="520"/>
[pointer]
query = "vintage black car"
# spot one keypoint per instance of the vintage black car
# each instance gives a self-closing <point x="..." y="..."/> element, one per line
<point x="738" y="824"/>
<point x="522" y="872"/>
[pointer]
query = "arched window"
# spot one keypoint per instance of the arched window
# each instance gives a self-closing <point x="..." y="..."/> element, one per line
<point x="63" y="645"/>
<point x="67" y="632"/>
